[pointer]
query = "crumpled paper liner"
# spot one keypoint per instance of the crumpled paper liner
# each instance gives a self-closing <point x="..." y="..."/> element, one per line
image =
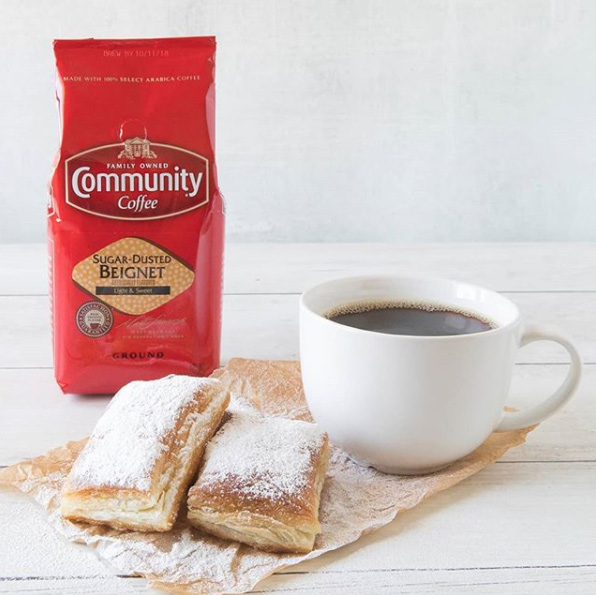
<point x="355" y="500"/>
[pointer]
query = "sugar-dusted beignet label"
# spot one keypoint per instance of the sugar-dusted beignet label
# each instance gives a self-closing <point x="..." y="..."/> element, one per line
<point x="133" y="276"/>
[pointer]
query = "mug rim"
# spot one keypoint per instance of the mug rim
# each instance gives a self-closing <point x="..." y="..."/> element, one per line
<point x="388" y="276"/>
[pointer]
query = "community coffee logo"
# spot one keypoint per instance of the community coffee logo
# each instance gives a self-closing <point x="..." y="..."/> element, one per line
<point x="137" y="179"/>
<point x="94" y="319"/>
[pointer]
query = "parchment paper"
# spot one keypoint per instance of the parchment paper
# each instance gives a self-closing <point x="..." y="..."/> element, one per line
<point x="355" y="500"/>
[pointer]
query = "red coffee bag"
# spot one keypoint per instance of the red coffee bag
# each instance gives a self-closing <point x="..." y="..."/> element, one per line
<point x="136" y="220"/>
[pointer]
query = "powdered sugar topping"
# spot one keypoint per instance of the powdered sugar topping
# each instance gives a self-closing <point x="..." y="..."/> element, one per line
<point x="131" y="435"/>
<point x="264" y="457"/>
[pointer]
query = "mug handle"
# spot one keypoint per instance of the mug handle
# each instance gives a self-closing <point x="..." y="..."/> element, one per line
<point x="522" y="419"/>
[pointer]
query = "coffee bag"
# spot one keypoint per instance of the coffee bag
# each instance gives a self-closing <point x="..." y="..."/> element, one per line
<point x="135" y="218"/>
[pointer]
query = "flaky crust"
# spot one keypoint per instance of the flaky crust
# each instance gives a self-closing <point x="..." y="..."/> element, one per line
<point x="227" y="509"/>
<point x="156" y="507"/>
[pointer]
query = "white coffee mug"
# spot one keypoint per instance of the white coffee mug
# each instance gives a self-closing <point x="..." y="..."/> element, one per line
<point x="413" y="404"/>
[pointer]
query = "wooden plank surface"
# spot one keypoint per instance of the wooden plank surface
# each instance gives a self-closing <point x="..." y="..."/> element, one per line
<point x="522" y="526"/>
<point x="484" y="523"/>
<point x="465" y="581"/>
<point x="291" y="268"/>
<point x="266" y="327"/>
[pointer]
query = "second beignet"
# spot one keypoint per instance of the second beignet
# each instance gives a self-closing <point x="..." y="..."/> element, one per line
<point x="261" y="483"/>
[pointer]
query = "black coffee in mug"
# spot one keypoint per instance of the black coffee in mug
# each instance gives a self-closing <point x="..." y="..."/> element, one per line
<point x="409" y="318"/>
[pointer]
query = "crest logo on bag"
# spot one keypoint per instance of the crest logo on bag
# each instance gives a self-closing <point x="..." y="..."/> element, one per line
<point x="137" y="147"/>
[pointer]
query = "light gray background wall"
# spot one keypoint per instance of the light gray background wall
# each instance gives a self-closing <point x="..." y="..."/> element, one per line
<point x="349" y="120"/>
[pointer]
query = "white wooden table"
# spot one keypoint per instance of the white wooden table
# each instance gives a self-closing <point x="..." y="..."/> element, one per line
<point x="525" y="525"/>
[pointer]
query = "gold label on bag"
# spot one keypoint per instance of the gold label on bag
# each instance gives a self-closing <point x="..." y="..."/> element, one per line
<point x="133" y="276"/>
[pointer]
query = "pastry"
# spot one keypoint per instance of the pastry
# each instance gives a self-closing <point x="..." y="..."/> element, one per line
<point x="143" y="453"/>
<point x="261" y="482"/>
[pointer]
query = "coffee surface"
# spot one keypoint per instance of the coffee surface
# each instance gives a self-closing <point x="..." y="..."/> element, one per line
<point x="428" y="320"/>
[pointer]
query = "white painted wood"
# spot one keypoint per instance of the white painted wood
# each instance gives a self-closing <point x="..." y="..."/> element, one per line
<point x="570" y="435"/>
<point x="291" y="268"/>
<point x="266" y="326"/>
<point x="24" y="269"/>
<point x="477" y="581"/>
<point x="508" y="522"/>
<point x="78" y="586"/>
<point x="493" y="581"/>
<point x="36" y="416"/>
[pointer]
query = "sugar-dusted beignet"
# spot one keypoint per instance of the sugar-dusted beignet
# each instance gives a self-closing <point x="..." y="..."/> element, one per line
<point x="143" y="453"/>
<point x="261" y="483"/>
